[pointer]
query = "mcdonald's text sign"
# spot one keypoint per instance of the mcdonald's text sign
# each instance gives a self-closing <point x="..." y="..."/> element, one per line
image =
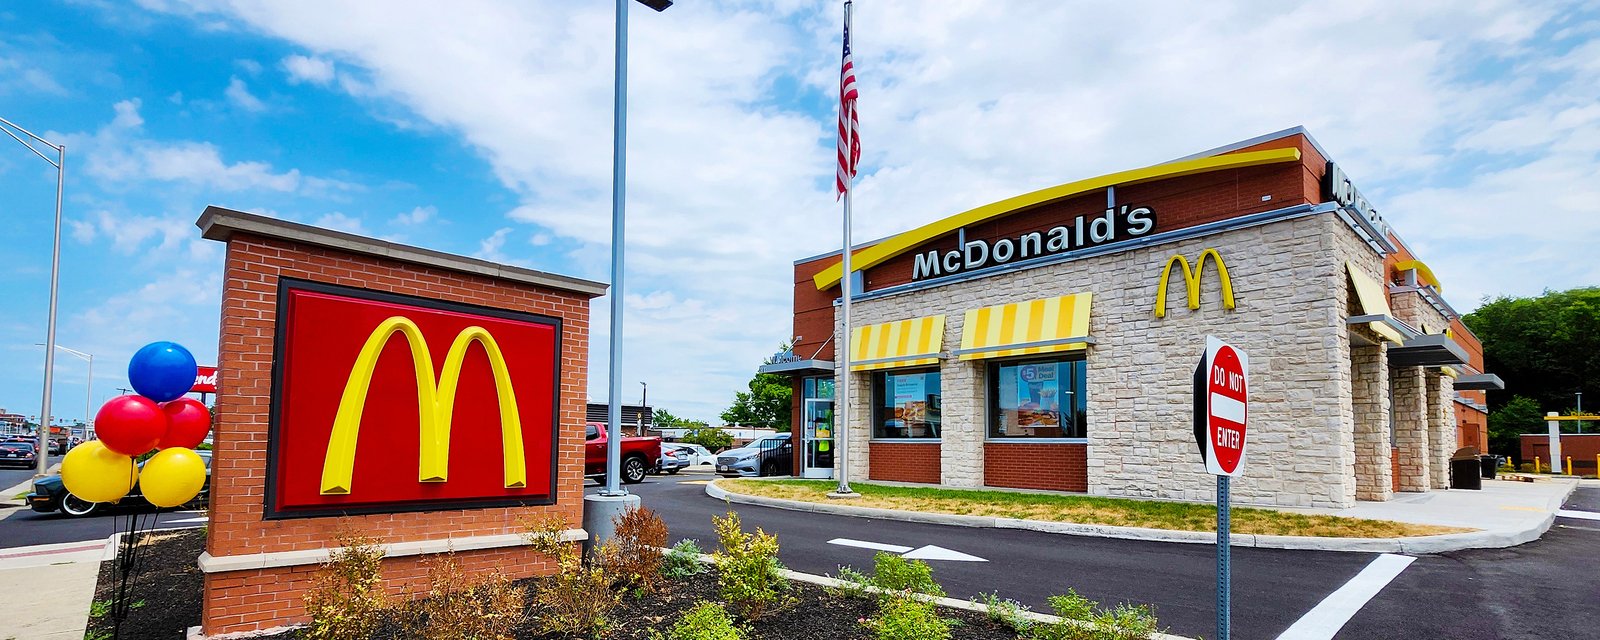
<point x="384" y="402"/>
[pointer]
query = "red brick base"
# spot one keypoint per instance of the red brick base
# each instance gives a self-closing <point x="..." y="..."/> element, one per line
<point x="1029" y="465"/>
<point x="904" y="461"/>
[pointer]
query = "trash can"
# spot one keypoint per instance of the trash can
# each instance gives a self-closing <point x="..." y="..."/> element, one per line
<point x="1465" y="470"/>
<point x="1491" y="465"/>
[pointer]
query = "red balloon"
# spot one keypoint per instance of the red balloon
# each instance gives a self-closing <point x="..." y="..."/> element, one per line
<point x="130" y="425"/>
<point x="188" y="422"/>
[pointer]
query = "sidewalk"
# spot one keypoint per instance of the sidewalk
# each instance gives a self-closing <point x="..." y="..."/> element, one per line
<point x="1506" y="513"/>
<point x="54" y="584"/>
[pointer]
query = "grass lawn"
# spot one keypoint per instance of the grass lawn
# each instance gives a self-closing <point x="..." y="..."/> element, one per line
<point x="1123" y="512"/>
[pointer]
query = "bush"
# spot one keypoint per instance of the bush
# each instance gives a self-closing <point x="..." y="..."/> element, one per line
<point x="682" y="560"/>
<point x="1080" y="621"/>
<point x="578" y="598"/>
<point x="749" y="574"/>
<point x="1006" y="612"/>
<point x="476" y="608"/>
<point x="706" y="621"/>
<point x="904" y="618"/>
<point x="346" y="600"/>
<point x="894" y="573"/>
<point x="635" y="558"/>
<point x="856" y="584"/>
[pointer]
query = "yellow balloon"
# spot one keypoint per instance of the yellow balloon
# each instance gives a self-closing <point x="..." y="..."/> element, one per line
<point x="172" y="477"/>
<point x="97" y="474"/>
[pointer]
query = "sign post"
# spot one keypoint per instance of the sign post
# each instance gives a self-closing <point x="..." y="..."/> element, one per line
<point x="1221" y="414"/>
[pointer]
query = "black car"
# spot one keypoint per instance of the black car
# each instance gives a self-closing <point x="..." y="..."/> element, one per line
<point x="16" y="454"/>
<point x="49" y="494"/>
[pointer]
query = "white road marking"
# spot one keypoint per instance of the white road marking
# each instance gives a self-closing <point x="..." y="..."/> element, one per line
<point x="931" y="552"/>
<point x="862" y="544"/>
<point x="1581" y="515"/>
<point x="1329" y="616"/>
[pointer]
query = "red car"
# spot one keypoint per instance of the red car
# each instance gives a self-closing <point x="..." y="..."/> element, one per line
<point x="639" y="454"/>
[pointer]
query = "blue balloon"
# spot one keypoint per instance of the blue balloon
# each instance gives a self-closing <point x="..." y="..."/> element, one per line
<point x="162" y="371"/>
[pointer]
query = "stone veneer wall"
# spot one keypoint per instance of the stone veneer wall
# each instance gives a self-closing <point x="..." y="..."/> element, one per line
<point x="1370" y="401"/>
<point x="1441" y="426"/>
<point x="1291" y="292"/>
<point x="1411" y="427"/>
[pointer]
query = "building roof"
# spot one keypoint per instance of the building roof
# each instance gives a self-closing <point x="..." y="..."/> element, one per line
<point x="218" y="223"/>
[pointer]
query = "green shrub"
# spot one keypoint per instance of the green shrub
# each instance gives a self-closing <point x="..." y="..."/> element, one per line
<point x="749" y="574"/>
<point x="1126" y="622"/>
<point x="1008" y="613"/>
<point x="346" y="600"/>
<point x="682" y="560"/>
<point x="578" y="599"/>
<point x="1081" y="621"/>
<point x="904" y="618"/>
<point x="894" y="573"/>
<point x="856" y="584"/>
<point x="475" y="605"/>
<point x="706" y="621"/>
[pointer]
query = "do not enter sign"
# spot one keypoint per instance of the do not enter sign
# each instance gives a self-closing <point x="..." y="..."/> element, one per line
<point x="1221" y="406"/>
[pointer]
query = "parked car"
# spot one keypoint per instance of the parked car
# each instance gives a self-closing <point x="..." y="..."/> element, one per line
<point x="672" y="460"/>
<point x="638" y="454"/>
<point x="697" y="454"/>
<point x="49" y="494"/>
<point x="16" y="454"/>
<point x="769" y="456"/>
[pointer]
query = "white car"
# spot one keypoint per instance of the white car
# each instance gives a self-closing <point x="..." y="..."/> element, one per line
<point x="697" y="454"/>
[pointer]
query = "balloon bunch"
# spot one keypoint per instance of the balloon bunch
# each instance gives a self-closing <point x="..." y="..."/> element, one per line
<point x="159" y="417"/>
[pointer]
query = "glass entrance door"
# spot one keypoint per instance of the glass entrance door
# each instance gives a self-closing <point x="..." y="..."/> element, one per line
<point x="818" y="459"/>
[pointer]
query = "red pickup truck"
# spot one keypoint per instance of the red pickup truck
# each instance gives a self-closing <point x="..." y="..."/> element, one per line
<point x="639" y="454"/>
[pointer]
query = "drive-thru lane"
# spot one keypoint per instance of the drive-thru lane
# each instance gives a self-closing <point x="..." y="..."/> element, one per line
<point x="1470" y="594"/>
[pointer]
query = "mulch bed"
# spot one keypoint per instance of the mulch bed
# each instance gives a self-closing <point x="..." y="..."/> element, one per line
<point x="170" y="584"/>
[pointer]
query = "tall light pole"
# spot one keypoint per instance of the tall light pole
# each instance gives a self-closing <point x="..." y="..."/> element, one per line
<point x="60" y="164"/>
<point x="1580" y="411"/>
<point x="88" y="393"/>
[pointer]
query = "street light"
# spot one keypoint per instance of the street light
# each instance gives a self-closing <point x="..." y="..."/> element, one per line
<point x="88" y="394"/>
<point x="60" y="164"/>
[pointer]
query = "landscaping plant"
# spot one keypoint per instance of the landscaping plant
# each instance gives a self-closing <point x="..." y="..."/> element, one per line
<point x="748" y="571"/>
<point x="682" y="560"/>
<point x="856" y="584"/>
<point x="636" y="558"/>
<point x="706" y="621"/>
<point x="346" y="599"/>
<point x="578" y="599"/>
<point x="1081" y="621"/>
<point x="1007" y="612"/>
<point x="894" y="573"/>
<point x="484" y="607"/>
<point x="905" y="618"/>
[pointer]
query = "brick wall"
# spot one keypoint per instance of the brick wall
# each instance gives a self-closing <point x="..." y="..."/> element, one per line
<point x="904" y="461"/>
<point x="1582" y="448"/>
<point x="254" y="599"/>
<point x="1028" y="465"/>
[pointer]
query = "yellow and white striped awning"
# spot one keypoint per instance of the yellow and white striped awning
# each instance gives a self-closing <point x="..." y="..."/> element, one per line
<point x="1047" y="325"/>
<point x="1374" y="300"/>
<point x="904" y="343"/>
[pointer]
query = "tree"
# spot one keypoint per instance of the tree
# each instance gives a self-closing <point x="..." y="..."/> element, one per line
<point x="712" y="438"/>
<point x="766" y="404"/>
<point x="662" y="419"/>
<point x="1520" y="415"/>
<point x="1546" y="348"/>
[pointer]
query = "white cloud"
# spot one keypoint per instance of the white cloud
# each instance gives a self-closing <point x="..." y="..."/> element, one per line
<point x="308" y="69"/>
<point x="239" y="94"/>
<point x="340" y="222"/>
<point x="490" y="248"/>
<point x="416" y="216"/>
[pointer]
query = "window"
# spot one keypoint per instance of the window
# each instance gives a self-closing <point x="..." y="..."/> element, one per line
<point x="905" y="404"/>
<point x="1038" y="398"/>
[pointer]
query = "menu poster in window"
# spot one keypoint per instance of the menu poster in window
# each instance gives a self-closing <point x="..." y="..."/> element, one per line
<point x="909" y="403"/>
<point x="1038" y="396"/>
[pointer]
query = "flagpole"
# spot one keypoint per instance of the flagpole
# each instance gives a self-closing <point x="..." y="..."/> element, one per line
<point x="844" y="343"/>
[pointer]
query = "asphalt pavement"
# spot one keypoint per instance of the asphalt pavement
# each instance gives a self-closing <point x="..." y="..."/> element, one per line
<point x="11" y="476"/>
<point x="22" y="526"/>
<point x="1542" y="589"/>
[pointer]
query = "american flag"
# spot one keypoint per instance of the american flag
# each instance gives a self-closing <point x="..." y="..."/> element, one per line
<point x="849" y="135"/>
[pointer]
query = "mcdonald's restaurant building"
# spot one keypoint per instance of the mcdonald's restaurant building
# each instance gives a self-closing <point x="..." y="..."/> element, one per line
<point x="1048" y="340"/>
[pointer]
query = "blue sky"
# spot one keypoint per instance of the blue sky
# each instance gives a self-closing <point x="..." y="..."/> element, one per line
<point x="483" y="128"/>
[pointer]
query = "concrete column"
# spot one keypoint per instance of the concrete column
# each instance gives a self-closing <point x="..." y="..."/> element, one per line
<point x="859" y="432"/>
<point x="1554" y="429"/>
<point x="963" y="413"/>
<point x="1410" y="415"/>
<point x="1441" y="427"/>
<point x="1369" y="366"/>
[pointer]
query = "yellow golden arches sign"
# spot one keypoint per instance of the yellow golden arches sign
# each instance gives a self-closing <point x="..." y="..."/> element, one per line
<point x="1191" y="280"/>
<point x="435" y="405"/>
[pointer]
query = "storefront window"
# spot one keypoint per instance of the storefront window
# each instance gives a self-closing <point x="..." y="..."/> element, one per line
<point x="905" y="404"/>
<point x="1039" y="398"/>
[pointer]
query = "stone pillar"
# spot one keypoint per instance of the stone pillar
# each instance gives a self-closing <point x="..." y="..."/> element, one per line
<point x="1369" y="366"/>
<point x="964" y="428"/>
<point x="1441" y="427"/>
<point x="1410" y="415"/>
<point x="859" y="427"/>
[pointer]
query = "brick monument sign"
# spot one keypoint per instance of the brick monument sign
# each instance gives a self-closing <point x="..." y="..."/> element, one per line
<point x="430" y="401"/>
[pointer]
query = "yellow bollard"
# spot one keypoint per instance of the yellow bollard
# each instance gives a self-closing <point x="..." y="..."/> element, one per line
<point x="1569" y="465"/>
<point x="1536" y="464"/>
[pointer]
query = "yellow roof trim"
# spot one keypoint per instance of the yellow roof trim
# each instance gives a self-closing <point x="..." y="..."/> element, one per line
<point x="896" y="245"/>
<point x="1424" y="274"/>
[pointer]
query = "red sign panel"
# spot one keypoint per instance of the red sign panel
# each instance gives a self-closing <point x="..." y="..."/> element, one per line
<point x="383" y="402"/>
<point x="205" y="380"/>
<point x="1222" y="404"/>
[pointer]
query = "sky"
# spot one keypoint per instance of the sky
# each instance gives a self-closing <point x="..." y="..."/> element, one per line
<point x="484" y="128"/>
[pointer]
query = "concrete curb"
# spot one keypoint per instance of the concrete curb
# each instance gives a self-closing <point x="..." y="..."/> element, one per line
<point x="1415" y="545"/>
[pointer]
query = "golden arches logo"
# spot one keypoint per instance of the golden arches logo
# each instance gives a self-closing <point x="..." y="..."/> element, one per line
<point x="435" y="405"/>
<point x="1191" y="280"/>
